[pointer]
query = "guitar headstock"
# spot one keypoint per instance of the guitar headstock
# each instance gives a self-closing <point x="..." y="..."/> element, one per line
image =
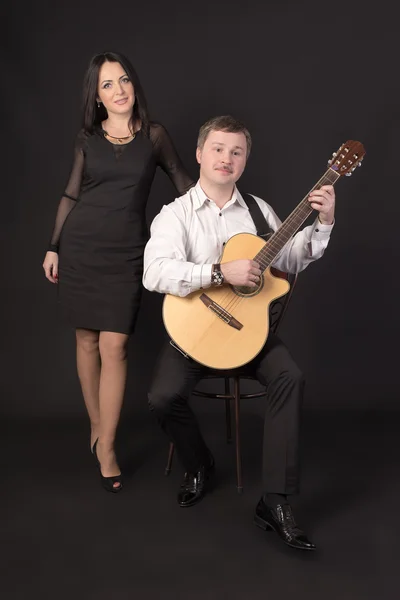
<point x="347" y="158"/>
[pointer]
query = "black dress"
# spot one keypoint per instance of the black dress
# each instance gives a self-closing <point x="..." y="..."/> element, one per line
<point x="100" y="230"/>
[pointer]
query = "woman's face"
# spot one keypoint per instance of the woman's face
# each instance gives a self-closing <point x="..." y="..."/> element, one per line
<point x="115" y="89"/>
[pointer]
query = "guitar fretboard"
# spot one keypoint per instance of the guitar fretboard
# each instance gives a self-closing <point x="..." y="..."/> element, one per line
<point x="293" y="222"/>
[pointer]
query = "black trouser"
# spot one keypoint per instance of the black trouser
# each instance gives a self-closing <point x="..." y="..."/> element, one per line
<point x="176" y="377"/>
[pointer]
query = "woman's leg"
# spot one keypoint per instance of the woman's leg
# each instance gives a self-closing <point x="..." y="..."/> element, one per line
<point x="88" y="365"/>
<point x="113" y="353"/>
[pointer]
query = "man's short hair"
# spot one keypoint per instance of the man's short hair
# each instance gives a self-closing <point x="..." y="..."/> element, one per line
<point x="224" y="123"/>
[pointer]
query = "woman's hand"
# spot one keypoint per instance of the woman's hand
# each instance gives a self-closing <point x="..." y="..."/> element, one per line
<point x="50" y="266"/>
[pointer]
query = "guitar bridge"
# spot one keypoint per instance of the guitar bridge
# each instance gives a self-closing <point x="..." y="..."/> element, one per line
<point x="223" y="314"/>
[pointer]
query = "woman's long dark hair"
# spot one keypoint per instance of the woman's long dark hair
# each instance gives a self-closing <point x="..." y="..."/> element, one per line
<point x="92" y="114"/>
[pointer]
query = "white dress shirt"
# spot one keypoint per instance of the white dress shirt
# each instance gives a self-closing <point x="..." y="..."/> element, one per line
<point x="188" y="235"/>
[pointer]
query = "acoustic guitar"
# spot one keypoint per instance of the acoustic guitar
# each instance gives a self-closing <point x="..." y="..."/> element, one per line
<point x="226" y="327"/>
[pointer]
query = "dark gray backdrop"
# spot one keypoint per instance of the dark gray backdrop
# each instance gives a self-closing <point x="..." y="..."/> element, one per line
<point x="304" y="77"/>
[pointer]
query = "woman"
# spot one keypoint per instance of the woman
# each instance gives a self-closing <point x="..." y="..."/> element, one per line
<point x="96" y="250"/>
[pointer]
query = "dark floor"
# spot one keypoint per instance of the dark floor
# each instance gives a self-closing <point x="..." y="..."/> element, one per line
<point x="66" y="538"/>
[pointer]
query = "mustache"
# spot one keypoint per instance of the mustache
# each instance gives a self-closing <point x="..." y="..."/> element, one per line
<point x="224" y="167"/>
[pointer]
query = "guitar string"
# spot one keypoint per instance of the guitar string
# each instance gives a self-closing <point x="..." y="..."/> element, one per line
<point x="273" y="245"/>
<point x="293" y="217"/>
<point x="273" y="241"/>
<point x="234" y="300"/>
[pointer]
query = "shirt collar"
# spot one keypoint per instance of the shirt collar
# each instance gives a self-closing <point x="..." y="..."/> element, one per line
<point x="200" y="197"/>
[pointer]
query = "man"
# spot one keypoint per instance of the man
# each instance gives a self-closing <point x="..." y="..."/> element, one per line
<point x="187" y="239"/>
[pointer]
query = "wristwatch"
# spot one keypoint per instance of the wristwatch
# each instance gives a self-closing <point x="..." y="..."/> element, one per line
<point x="216" y="275"/>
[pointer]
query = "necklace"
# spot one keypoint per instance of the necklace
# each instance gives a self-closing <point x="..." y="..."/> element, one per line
<point x="120" y="139"/>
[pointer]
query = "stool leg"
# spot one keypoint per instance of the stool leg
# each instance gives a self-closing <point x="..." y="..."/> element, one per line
<point x="237" y="423"/>
<point x="170" y="457"/>
<point x="228" y="412"/>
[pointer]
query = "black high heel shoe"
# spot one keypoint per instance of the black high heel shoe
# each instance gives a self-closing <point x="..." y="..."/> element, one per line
<point x="107" y="482"/>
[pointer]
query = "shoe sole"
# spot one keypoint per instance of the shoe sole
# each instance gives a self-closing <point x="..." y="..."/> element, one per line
<point x="267" y="527"/>
<point x="262" y="524"/>
<point x="189" y="505"/>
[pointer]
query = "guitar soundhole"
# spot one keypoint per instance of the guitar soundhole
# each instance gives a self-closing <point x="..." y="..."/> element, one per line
<point x="246" y="292"/>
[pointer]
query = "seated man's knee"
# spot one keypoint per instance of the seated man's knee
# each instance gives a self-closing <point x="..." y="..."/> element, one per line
<point x="288" y="374"/>
<point x="160" y="401"/>
<point x="296" y="375"/>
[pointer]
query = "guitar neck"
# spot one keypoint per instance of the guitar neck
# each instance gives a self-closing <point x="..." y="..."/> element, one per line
<point x="292" y="224"/>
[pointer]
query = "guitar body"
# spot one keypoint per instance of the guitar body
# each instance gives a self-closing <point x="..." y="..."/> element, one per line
<point x="198" y="323"/>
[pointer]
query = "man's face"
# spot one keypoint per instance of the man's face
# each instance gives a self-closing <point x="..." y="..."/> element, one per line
<point x="223" y="157"/>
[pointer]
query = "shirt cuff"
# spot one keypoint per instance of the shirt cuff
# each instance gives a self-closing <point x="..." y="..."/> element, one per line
<point x="201" y="276"/>
<point x="321" y="231"/>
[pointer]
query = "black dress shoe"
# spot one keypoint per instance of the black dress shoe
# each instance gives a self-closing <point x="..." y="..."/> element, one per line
<point x="195" y="485"/>
<point x="281" y="520"/>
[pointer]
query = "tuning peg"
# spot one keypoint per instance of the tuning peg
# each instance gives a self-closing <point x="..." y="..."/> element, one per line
<point x="334" y="154"/>
<point x="330" y="162"/>
<point x="359" y="164"/>
<point x="349" y="174"/>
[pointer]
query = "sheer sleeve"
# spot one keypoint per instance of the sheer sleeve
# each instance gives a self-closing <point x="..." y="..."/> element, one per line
<point x="71" y="193"/>
<point x="168" y="159"/>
